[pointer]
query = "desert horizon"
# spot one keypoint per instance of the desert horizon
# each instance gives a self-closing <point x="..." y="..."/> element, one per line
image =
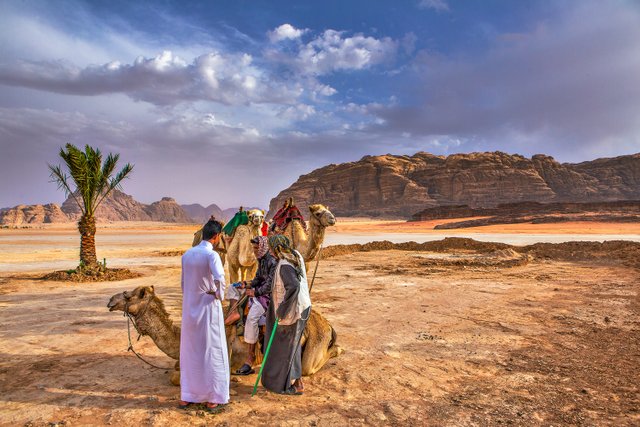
<point x="470" y="325"/>
<point x="443" y="227"/>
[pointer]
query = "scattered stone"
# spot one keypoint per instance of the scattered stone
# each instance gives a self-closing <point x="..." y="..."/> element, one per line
<point x="424" y="336"/>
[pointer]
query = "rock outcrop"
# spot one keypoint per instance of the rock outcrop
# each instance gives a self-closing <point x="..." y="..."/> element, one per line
<point x="167" y="210"/>
<point x="201" y="214"/>
<point x="621" y="208"/>
<point x="399" y="186"/>
<point x="118" y="206"/>
<point x="33" y="214"/>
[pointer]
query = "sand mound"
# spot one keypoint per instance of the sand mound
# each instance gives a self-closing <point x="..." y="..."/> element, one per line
<point x="625" y="252"/>
<point x="503" y="258"/>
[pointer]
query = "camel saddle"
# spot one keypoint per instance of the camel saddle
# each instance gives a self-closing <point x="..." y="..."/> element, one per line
<point x="285" y="215"/>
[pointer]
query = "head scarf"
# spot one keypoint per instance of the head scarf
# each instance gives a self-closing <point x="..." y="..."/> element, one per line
<point x="281" y="247"/>
<point x="263" y="246"/>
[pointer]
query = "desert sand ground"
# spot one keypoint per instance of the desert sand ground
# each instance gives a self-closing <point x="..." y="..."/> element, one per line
<point x="446" y="338"/>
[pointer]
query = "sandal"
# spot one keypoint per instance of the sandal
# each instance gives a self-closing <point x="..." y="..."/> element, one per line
<point x="184" y="404"/>
<point x="245" y="370"/>
<point x="214" y="408"/>
<point x="293" y="391"/>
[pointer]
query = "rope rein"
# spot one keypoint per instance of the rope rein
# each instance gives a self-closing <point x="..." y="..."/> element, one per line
<point x="131" y="319"/>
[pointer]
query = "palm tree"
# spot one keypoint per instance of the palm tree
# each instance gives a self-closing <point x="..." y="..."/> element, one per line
<point x="93" y="181"/>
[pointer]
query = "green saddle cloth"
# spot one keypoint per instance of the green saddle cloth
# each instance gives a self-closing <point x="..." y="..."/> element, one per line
<point x="240" y="218"/>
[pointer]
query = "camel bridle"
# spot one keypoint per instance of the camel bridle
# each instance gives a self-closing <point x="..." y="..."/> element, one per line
<point x="131" y="319"/>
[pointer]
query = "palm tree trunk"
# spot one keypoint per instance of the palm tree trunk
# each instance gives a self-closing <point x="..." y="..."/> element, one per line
<point x="87" y="228"/>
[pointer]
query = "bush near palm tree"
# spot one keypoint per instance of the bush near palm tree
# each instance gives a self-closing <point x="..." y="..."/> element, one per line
<point x="93" y="180"/>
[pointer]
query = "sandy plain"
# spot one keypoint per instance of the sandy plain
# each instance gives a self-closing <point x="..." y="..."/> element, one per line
<point x="454" y="337"/>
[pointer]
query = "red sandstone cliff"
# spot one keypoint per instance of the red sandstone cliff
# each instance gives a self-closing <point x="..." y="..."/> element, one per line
<point x="399" y="186"/>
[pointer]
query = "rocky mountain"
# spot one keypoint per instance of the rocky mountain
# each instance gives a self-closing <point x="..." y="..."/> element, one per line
<point x="201" y="214"/>
<point x="32" y="214"/>
<point x="118" y="206"/>
<point x="167" y="210"/>
<point x="399" y="186"/>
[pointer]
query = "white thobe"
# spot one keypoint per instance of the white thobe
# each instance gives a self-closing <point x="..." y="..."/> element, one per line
<point x="204" y="362"/>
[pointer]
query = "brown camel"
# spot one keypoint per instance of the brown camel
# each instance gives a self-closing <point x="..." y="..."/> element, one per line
<point x="318" y="339"/>
<point x="242" y="261"/>
<point x="309" y="244"/>
<point x="151" y="319"/>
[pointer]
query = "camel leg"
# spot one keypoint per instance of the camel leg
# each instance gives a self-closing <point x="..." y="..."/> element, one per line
<point x="233" y="272"/>
<point x="313" y="361"/>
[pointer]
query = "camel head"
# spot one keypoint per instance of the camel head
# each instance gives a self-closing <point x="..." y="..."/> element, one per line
<point x="133" y="301"/>
<point x="322" y="214"/>
<point x="256" y="217"/>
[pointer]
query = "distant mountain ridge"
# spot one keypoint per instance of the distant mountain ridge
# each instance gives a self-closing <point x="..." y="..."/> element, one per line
<point x="201" y="214"/>
<point x="400" y="186"/>
<point x="118" y="206"/>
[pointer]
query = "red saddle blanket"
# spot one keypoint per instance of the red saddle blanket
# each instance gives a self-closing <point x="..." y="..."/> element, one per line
<point x="285" y="215"/>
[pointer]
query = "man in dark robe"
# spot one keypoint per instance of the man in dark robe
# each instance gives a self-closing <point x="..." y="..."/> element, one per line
<point x="290" y="304"/>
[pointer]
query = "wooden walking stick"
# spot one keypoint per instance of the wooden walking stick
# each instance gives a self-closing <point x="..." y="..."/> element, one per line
<point x="264" y="359"/>
<point x="316" y="269"/>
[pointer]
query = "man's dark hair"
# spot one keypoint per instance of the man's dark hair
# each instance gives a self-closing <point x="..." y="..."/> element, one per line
<point x="210" y="229"/>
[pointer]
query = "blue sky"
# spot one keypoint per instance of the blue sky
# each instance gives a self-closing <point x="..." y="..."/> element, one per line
<point x="229" y="102"/>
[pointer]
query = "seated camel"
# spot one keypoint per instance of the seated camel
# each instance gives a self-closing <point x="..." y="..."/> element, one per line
<point x="151" y="319"/>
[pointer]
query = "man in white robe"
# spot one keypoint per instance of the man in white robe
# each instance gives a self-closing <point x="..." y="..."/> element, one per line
<point x="204" y="363"/>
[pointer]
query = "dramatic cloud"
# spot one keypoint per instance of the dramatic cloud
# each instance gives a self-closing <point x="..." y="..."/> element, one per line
<point x="284" y="32"/>
<point x="222" y="104"/>
<point x="567" y="83"/>
<point x="332" y="52"/>
<point x="164" y="79"/>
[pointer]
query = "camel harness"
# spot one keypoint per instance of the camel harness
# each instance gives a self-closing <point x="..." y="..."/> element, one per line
<point x="130" y="320"/>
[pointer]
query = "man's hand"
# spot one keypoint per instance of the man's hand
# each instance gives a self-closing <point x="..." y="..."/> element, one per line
<point x="250" y="293"/>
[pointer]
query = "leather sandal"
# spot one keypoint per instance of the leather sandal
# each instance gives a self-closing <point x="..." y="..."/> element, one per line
<point x="245" y="369"/>
<point x="184" y="404"/>
<point x="213" y="408"/>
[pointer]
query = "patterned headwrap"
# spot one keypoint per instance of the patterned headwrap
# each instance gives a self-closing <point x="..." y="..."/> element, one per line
<point x="281" y="246"/>
<point x="263" y="245"/>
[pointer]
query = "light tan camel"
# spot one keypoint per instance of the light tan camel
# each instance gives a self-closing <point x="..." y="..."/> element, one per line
<point x="318" y="339"/>
<point x="242" y="261"/>
<point x="309" y="244"/>
<point x="220" y="247"/>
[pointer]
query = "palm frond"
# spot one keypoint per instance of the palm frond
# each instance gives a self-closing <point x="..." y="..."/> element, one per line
<point x="115" y="182"/>
<point x="93" y="179"/>
<point x="103" y="179"/>
<point x="76" y="162"/>
<point x="61" y="179"/>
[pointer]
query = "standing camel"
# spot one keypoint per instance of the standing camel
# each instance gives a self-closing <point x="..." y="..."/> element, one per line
<point x="242" y="261"/>
<point x="308" y="244"/>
